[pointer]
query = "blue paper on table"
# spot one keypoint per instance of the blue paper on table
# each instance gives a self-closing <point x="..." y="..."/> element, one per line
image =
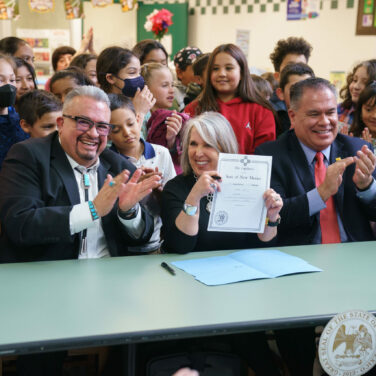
<point x="243" y="266"/>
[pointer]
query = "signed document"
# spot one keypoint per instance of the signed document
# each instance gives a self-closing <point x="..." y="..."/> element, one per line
<point x="239" y="207"/>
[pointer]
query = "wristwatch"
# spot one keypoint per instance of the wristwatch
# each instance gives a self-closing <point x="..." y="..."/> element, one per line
<point x="129" y="214"/>
<point x="189" y="209"/>
<point x="273" y="224"/>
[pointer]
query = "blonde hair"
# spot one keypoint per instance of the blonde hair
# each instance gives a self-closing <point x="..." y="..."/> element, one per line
<point x="148" y="69"/>
<point x="215" y="130"/>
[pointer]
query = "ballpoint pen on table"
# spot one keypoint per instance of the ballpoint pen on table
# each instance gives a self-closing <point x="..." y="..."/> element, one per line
<point x="168" y="268"/>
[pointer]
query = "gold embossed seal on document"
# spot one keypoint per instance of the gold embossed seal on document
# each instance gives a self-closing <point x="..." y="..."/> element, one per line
<point x="348" y="344"/>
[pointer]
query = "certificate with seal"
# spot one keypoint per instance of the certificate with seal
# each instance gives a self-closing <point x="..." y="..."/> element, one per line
<point x="239" y="207"/>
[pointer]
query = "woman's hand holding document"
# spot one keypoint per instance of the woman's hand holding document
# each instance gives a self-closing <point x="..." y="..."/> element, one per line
<point x="240" y="205"/>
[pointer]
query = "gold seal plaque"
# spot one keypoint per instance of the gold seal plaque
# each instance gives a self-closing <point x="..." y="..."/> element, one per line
<point x="348" y="344"/>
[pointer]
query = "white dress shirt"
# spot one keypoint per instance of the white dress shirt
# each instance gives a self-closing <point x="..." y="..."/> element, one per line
<point x="80" y="217"/>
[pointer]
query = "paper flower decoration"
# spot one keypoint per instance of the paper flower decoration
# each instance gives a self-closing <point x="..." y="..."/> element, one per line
<point x="158" y="22"/>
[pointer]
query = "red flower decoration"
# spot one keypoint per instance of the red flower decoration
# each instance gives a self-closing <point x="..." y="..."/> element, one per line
<point x="158" y="22"/>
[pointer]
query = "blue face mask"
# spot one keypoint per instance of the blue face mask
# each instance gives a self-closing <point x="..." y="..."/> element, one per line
<point x="131" y="85"/>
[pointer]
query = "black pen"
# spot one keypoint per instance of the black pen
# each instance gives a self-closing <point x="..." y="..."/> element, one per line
<point x="168" y="268"/>
<point x="216" y="177"/>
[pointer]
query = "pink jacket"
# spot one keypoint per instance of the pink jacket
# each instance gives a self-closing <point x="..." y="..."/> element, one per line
<point x="157" y="130"/>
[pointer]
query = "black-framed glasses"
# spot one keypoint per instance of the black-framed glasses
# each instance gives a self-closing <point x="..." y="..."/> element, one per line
<point x="84" y="124"/>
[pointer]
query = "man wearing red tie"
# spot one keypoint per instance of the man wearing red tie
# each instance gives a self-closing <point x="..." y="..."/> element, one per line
<point x="326" y="179"/>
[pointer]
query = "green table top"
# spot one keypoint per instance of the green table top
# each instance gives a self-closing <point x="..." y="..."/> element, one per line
<point x="63" y="304"/>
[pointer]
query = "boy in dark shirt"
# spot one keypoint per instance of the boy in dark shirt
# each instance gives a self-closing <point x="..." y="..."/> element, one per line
<point x="291" y="74"/>
<point x="38" y="111"/>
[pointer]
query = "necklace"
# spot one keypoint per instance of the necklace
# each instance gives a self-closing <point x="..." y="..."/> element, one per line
<point x="209" y="198"/>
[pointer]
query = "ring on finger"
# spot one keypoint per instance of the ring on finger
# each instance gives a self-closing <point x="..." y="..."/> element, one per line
<point x="112" y="183"/>
<point x="212" y="185"/>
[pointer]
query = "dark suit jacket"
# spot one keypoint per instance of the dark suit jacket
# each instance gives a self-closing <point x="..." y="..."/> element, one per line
<point x="37" y="192"/>
<point x="292" y="179"/>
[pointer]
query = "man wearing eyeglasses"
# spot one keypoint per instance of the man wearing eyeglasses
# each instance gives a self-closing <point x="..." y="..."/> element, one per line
<point x="66" y="196"/>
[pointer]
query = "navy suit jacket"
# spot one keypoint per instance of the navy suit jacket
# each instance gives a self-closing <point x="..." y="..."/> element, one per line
<point x="37" y="192"/>
<point x="292" y="179"/>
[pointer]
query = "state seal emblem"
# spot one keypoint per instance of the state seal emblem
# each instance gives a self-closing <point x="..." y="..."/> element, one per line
<point x="348" y="344"/>
<point x="221" y="217"/>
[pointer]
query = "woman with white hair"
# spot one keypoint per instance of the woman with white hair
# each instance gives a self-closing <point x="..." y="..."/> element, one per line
<point x="186" y="199"/>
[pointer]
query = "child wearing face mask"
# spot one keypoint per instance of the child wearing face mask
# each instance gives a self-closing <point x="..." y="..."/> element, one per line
<point x="10" y="130"/>
<point x="164" y="126"/>
<point x="118" y="72"/>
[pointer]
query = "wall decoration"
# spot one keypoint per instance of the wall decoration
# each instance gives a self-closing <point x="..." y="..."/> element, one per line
<point x="302" y="9"/>
<point x="43" y="43"/>
<point x="158" y="22"/>
<point x="176" y="38"/>
<point x="338" y="79"/>
<point x="366" y="20"/>
<point x="127" y="5"/>
<point x="73" y="9"/>
<point x="242" y="40"/>
<point x="41" y="6"/>
<point x="312" y="8"/>
<point x="294" y="10"/>
<point x="9" y="9"/>
<point x="101" y="3"/>
<point x="218" y="7"/>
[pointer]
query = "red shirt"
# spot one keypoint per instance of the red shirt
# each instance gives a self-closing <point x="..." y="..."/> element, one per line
<point x="252" y="123"/>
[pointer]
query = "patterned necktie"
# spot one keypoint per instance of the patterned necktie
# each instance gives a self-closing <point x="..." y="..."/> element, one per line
<point x="86" y="185"/>
<point x="328" y="216"/>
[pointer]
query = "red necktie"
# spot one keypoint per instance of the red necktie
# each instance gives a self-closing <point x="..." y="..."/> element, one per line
<point x="328" y="216"/>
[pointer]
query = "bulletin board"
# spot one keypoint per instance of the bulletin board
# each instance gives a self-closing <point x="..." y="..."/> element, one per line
<point x="44" y="42"/>
<point x="366" y="20"/>
<point x="178" y="31"/>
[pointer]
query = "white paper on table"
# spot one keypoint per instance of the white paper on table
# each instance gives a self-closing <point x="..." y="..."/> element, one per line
<point x="239" y="206"/>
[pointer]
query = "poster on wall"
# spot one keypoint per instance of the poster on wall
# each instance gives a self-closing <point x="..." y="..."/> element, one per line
<point x="41" y="6"/>
<point x="338" y="79"/>
<point x="9" y="9"/>
<point x="312" y="8"/>
<point x="366" y="20"/>
<point x="302" y="9"/>
<point x="242" y="40"/>
<point x="73" y="9"/>
<point x="43" y="43"/>
<point x="294" y="10"/>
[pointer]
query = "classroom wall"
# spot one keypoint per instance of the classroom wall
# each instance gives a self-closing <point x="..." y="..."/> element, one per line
<point x="111" y="26"/>
<point x="332" y="34"/>
<point x="33" y="20"/>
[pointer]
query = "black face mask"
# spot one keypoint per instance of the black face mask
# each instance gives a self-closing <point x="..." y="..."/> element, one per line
<point x="131" y="85"/>
<point x="7" y="95"/>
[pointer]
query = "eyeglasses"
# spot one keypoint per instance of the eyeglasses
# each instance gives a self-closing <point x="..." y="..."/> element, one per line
<point x="84" y="124"/>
